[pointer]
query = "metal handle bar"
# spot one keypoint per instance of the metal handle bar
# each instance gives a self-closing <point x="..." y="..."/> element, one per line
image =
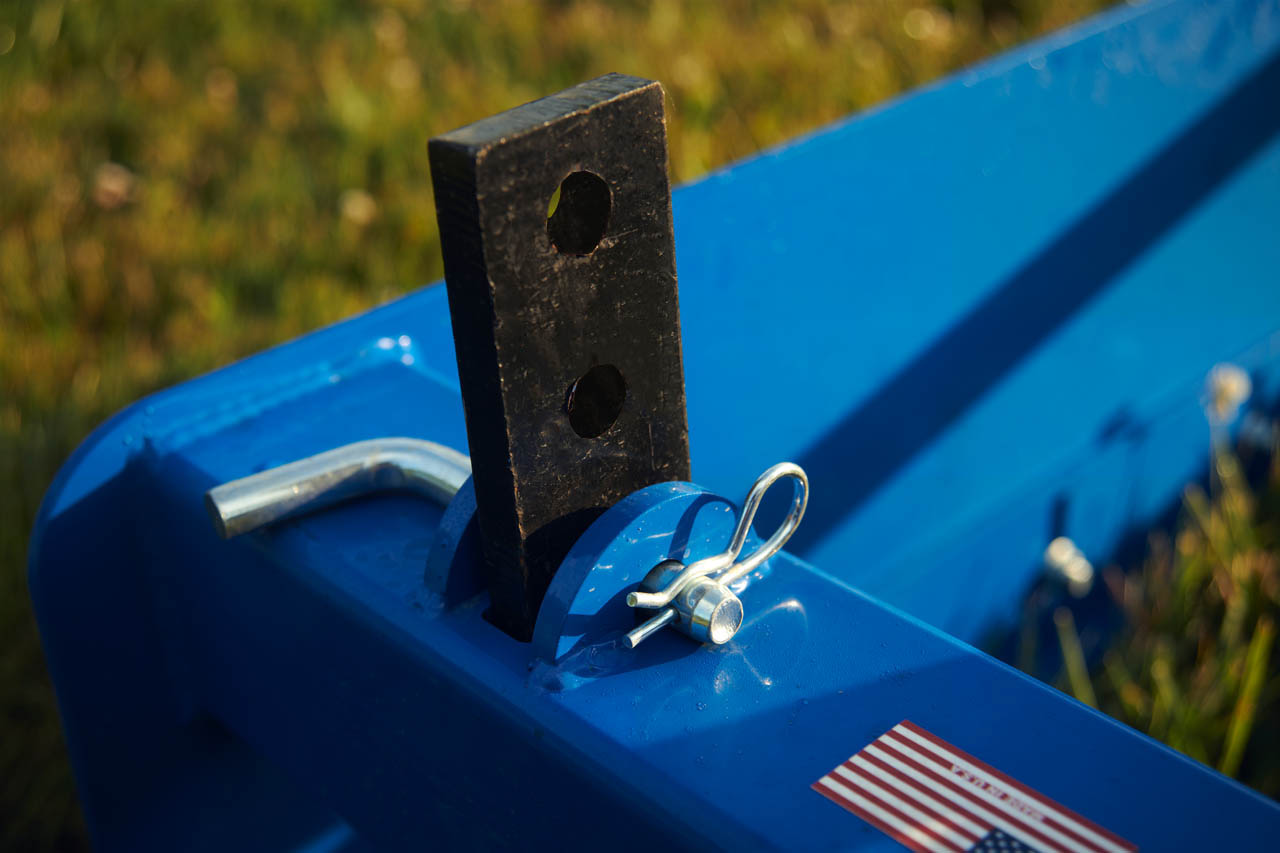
<point x="423" y="467"/>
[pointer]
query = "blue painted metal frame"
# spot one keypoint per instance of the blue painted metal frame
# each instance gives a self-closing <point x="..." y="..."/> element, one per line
<point x="1003" y="292"/>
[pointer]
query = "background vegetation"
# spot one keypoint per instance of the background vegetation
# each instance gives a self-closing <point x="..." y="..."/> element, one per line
<point x="1193" y="665"/>
<point x="184" y="182"/>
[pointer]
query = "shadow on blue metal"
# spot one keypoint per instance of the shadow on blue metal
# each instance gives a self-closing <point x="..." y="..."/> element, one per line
<point x="994" y="338"/>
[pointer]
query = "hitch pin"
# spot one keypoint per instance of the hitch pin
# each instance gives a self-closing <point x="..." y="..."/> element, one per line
<point x="696" y="597"/>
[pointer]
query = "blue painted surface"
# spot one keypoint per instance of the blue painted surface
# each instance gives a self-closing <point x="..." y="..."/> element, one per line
<point x="309" y="643"/>
<point x="974" y="284"/>
<point x="995" y="301"/>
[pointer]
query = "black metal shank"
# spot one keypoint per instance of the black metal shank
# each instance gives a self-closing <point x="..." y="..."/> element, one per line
<point x="537" y="303"/>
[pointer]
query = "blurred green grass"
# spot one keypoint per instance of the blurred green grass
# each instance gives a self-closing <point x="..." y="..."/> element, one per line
<point x="1195" y="664"/>
<point x="188" y="181"/>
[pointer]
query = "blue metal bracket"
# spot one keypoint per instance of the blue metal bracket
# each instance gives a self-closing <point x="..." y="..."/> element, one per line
<point x="997" y="321"/>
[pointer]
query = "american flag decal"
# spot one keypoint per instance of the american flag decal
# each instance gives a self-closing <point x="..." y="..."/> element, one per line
<point x="935" y="798"/>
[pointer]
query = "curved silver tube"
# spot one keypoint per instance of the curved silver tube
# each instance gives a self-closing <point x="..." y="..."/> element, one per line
<point x="423" y="467"/>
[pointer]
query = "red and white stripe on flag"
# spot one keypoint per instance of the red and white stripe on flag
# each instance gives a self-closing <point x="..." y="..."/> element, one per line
<point x="935" y="798"/>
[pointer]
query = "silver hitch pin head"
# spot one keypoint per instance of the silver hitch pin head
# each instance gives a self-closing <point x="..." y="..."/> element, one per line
<point x="697" y="597"/>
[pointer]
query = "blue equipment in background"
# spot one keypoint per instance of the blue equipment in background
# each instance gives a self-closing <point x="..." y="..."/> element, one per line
<point x="979" y="318"/>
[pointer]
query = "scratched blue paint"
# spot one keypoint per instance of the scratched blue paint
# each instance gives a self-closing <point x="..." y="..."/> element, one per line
<point x="972" y="314"/>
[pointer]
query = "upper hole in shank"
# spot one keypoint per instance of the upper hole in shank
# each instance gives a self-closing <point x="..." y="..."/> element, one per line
<point x="578" y="213"/>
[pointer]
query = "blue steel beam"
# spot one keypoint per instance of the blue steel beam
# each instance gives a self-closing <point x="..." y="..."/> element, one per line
<point x="981" y="282"/>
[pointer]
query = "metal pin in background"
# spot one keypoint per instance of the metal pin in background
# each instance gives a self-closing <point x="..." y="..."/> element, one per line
<point x="1226" y="389"/>
<point x="1064" y="561"/>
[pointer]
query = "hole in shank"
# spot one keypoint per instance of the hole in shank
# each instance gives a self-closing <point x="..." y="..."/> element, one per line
<point x="595" y="400"/>
<point x="578" y="213"/>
